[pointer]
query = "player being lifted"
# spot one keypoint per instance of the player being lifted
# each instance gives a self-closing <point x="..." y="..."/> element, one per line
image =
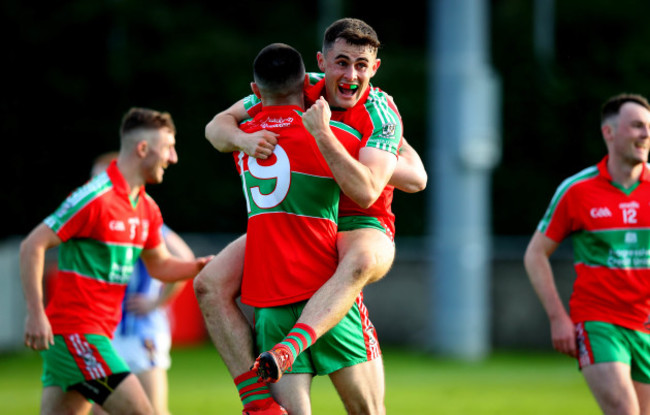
<point x="365" y="241"/>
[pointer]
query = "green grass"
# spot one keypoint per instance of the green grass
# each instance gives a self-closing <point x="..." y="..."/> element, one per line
<point x="505" y="384"/>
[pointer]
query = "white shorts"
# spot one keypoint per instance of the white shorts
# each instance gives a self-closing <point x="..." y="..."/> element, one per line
<point x="143" y="355"/>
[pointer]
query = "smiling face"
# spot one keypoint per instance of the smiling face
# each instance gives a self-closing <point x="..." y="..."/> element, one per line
<point x="628" y="134"/>
<point x="160" y="153"/>
<point x="348" y="69"/>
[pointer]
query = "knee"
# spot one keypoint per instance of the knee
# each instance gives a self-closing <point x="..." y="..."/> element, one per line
<point x="364" y="266"/>
<point x="369" y="267"/>
<point x="619" y="405"/>
<point x="214" y="287"/>
<point x="201" y="287"/>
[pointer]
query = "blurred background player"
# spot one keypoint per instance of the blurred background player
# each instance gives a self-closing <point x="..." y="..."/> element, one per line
<point x="143" y="337"/>
<point x="605" y="209"/>
<point x="100" y="230"/>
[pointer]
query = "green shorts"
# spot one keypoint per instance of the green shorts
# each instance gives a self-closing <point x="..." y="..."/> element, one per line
<point x="350" y="223"/>
<point x="352" y="341"/>
<point x="600" y="342"/>
<point x="87" y="363"/>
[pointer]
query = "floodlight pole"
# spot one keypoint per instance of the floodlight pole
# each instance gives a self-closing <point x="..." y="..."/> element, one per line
<point x="465" y="148"/>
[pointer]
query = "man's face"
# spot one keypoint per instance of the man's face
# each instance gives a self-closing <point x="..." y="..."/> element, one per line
<point x="161" y="153"/>
<point x="630" y="134"/>
<point x="348" y="70"/>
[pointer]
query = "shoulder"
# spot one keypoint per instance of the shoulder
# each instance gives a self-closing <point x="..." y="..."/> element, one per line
<point x="575" y="181"/>
<point x="82" y="200"/>
<point x="378" y="97"/>
<point x="252" y="104"/>
<point x="315" y="77"/>
<point x="380" y="108"/>
<point x="151" y="203"/>
<point x="90" y="191"/>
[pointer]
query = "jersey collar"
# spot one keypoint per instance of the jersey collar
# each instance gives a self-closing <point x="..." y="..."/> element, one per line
<point x="119" y="182"/>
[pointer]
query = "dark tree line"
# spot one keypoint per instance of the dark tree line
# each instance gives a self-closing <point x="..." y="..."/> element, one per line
<point x="73" y="68"/>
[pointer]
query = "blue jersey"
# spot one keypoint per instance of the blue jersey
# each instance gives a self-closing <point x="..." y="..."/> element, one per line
<point x="144" y="325"/>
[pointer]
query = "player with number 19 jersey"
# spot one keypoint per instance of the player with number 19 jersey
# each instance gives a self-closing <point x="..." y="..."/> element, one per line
<point x="292" y="201"/>
<point x="610" y="229"/>
<point x="376" y="117"/>
<point x="96" y="261"/>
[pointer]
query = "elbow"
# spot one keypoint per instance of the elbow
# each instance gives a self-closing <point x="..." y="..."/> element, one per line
<point x="365" y="200"/>
<point x="365" y="203"/>
<point x="530" y="258"/>
<point x="419" y="184"/>
<point x="210" y="135"/>
<point x="412" y="183"/>
<point x="526" y="260"/>
<point x="29" y="247"/>
<point x="24" y="249"/>
<point x="213" y="133"/>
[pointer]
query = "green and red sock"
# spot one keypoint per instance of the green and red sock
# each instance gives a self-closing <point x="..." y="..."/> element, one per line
<point x="298" y="340"/>
<point x="252" y="392"/>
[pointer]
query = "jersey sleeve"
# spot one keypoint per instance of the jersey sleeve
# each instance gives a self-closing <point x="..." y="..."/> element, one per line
<point x="314" y="77"/>
<point x="252" y="104"/>
<point x="387" y="129"/>
<point x="74" y="217"/>
<point x="557" y="222"/>
<point x="68" y="224"/>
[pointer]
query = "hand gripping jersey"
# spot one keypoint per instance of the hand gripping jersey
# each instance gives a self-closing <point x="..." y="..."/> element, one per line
<point x="378" y="120"/>
<point x="103" y="233"/>
<point x="292" y="201"/>
<point x="610" y="229"/>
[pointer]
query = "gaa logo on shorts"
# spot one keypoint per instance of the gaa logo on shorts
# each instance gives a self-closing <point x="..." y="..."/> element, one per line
<point x="89" y="360"/>
<point x="372" y="335"/>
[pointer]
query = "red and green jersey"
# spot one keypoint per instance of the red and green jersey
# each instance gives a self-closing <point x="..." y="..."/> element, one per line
<point x="610" y="230"/>
<point x="378" y="120"/>
<point x="103" y="234"/>
<point x="292" y="201"/>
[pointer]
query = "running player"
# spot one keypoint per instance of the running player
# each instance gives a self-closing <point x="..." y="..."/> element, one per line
<point x="143" y="337"/>
<point x="100" y="229"/>
<point x="606" y="210"/>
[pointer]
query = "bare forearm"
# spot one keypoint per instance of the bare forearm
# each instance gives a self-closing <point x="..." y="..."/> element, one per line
<point x="223" y="133"/>
<point x="355" y="179"/>
<point x="410" y="175"/>
<point x="32" y="260"/>
<point x="541" y="277"/>
<point x="172" y="269"/>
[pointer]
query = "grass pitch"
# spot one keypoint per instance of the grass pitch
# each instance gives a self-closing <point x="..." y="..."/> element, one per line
<point x="522" y="383"/>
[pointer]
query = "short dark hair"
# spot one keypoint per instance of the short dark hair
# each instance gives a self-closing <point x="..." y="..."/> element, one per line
<point x="353" y="31"/>
<point x="279" y="69"/>
<point x="613" y="104"/>
<point x="146" y="118"/>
